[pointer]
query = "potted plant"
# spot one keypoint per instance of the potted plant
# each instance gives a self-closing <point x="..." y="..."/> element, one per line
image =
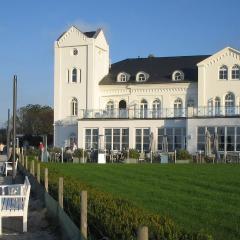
<point x="133" y="156"/>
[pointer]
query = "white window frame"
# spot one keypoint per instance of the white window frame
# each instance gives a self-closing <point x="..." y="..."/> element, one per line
<point x="223" y="73"/>
<point x="74" y="107"/>
<point x="178" y="75"/>
<point x="143" y="108"/>
<point x="112" y="136"/>
<point x="235" y="72"/>
<point x="178" y="107"/>
<point x="91" y="136"/>
<point x="156" y="108"/>
<point x="142" y="137"/>
<point x="139" y="77"/>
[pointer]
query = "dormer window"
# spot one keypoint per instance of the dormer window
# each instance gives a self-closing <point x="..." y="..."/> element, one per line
<point x="223" y="73"/>
<point x="123" y="77"/>
<point x="142" y="77"/>
<point x="178" y="76"/>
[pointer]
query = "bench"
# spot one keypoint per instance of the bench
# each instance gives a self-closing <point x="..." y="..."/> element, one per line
<point x="9" y="167"/>
<point x="14" y="202"/>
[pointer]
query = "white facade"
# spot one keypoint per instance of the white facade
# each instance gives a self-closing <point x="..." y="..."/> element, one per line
<point x="82" y="103"/>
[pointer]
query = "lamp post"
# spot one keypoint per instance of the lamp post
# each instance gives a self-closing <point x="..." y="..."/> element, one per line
<point x="8" y="135"/>
<point x="14" y="126"/>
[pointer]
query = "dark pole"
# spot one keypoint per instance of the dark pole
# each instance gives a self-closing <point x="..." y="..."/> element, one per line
<point x="14" y="126"/>
<point x="8" y="135"/>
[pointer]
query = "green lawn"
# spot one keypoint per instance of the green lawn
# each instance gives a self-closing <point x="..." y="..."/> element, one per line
<point x="195" y="196"/>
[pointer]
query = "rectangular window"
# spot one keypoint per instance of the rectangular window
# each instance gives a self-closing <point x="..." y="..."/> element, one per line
<point x="237" y="138"/>
<point x="230" y="138"/>
<point x="142" y="139"/>
<point x="116" y="138"/>
<point x="221" y="138"/>
<point x="201" y="139"/>
<point x="91" y="138"/>
<point x="175" y="138"/>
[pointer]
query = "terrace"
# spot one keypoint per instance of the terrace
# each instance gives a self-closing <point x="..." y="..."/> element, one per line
<point x="159" y="113"/>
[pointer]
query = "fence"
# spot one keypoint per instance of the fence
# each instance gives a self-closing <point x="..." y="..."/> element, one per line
<point x="57" y="209"/>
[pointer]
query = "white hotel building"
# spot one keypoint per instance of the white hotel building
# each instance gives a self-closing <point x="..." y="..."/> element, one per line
<point x="127" y="102"/>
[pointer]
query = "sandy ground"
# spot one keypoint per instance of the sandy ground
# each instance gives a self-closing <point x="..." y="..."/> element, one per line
<point x="39" y="225"/>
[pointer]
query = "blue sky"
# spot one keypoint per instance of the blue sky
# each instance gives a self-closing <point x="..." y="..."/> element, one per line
<point x="28" y="29"/>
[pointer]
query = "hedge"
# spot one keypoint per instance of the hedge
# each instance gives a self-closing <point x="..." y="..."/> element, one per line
<point x="114" y="217"/>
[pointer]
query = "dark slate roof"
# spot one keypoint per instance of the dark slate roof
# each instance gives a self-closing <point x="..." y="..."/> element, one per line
<point x="90" y="34"/>
<point x="160" y="69"/>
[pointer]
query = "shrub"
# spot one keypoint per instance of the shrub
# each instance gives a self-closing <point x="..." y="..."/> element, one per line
<point x="55" y="150"/>
<point x="133" y="153"/>
<point x="31" y="151"/>
<point x="115" y="217"/>
<point x="78" y="153"/>
<point x="183" y="154"/>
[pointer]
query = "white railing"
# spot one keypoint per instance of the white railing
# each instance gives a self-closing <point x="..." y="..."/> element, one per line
<point x="216" y="112"/>
<point x="161" y="113"/>
<point x="134" y="113"/>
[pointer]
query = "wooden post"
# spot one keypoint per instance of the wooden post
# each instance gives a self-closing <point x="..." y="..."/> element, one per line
<point x="36" y="158"/>
<point x="83" y="221"/>
<point x="38" y="172"/>
<point x="83" y="156"/>
<point x="23" y="161"/>
<point x="46" y="179"/>
<point x="142" y="233"/>
<point x="60" y="192"/>
<point x="32" y="168"/>
<point x="26" y="163"/>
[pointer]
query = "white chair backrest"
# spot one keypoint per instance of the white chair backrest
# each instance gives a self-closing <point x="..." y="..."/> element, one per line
<point x="26" y="192"/>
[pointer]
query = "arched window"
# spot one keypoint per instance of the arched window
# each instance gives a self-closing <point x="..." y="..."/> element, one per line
<point x="178" y="107"/>
<point x="123" y="78"/>
<point x="74" y="107"/>
<point x="74" y="75"/>
<point x="143" y="109"/>
<point x="217" y="105"/>
<point x="236" y="72"/>
<point x="141" y="77"/>
<point x="110" y="108"/>
<point x="223" y="73"/>
<point x="229" y="103"/>
<point x="156" y="108"/>
<point x="177" y="75"/>
<point x="122" y="109"/>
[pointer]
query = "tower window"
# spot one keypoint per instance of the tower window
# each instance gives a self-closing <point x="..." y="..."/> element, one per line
<point x="74" y="75"/>
<point x="75" y="52"/>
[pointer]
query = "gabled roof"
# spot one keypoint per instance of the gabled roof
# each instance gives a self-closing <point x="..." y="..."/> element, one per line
<point x="160" y="69"/>
<point x="218" y="55"/>
<point x="92" y="34"/>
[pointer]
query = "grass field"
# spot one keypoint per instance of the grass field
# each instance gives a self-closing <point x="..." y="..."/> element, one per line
<point x="195" y="196"/>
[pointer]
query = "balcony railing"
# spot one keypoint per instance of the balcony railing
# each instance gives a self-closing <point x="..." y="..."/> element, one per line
<point x="161" y="113"/>
<point x="216" y="112"/>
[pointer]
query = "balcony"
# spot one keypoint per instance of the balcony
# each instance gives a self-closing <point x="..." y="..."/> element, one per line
<point x="159" y="114"/>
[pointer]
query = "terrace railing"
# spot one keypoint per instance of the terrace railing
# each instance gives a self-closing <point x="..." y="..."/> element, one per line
<point x="160" y="113"/>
